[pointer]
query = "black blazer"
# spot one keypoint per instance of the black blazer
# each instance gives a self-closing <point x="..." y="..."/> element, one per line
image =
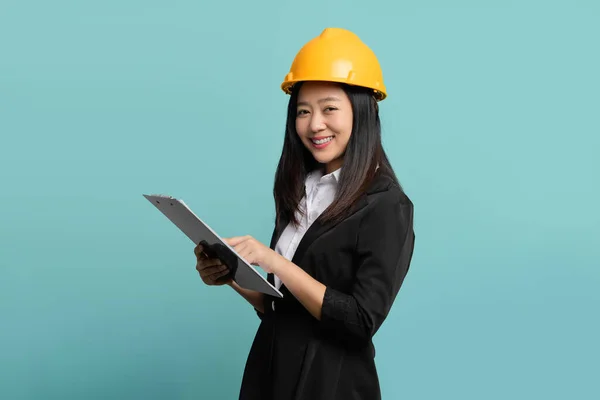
<point x="362" y="261"/>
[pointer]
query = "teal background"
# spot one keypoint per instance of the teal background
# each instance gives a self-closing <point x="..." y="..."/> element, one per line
<point x="492" y="124"/>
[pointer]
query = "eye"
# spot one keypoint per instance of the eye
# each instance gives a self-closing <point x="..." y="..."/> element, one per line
<point x="301" y="112"/>
<point x="330" y="108"/>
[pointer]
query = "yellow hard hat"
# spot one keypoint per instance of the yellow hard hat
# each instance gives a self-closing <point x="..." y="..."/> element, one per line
<point x="337" y="55"/>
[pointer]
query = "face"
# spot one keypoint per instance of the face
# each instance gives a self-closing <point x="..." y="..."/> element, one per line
<point x="324" y="122"/>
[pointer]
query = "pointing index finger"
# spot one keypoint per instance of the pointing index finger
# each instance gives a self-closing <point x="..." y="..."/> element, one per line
<point x="234" y="241"/>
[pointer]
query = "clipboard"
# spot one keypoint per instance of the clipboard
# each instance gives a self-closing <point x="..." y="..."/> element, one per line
<point x="243" y="273"/>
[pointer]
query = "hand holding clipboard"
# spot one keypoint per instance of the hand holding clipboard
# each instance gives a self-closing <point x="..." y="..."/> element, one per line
<point x="216" y="264"/>
<point x="244" y="274"/>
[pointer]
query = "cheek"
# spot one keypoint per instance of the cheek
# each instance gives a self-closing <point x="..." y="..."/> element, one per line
<point x="344" y="126"/>
<point x="301" y="127"/>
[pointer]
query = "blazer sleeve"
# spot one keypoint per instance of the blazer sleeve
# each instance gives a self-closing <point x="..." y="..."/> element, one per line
<point x="266" y="300"/>
<point x="259" y="314"/>
<point x="384" y="249"/>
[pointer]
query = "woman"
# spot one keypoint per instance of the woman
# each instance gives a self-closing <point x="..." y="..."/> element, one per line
<point x="343" y="237"/>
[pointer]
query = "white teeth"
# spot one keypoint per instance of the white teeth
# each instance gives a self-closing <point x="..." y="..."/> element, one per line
<point x="323" y="140"/>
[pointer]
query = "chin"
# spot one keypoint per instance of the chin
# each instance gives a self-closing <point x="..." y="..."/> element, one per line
<point x="322" y="158"/>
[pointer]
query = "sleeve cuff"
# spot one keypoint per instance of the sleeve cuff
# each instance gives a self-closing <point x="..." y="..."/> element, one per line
<point x="335" y="306"/>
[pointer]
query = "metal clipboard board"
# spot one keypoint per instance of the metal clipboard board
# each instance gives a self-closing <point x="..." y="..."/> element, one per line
<point x="244" y="274"/>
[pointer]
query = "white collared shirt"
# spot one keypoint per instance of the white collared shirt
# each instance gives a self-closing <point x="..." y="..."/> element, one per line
<point x="319" y="193"/>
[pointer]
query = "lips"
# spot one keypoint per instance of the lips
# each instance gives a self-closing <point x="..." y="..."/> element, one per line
<point x="321" y="141"/>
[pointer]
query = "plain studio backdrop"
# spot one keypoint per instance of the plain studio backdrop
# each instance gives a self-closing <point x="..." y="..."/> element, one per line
<point x="492" y="124"/>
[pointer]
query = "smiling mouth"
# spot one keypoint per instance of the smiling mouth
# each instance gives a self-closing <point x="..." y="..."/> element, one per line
<point x="320" y="141"/>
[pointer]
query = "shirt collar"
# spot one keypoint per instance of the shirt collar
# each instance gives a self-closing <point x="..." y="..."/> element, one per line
<point x="317" y="175"/>
<point x="336" y="174"/>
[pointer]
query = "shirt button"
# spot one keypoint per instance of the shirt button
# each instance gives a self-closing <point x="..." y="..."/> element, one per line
<point x="273" y="305"/>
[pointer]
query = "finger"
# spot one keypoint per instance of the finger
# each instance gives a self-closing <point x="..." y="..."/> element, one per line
<point x="202" y="268"/>
<point x="214" y="270"/>
<point x="246" y="254"/>
<point x="234" y="241"/>
<point x="240" y="248"/>
<point x="207" y="272"/>
<point x="208" y="263"/>
<point x="213" y="277"/>
<point x="200" y="253"/>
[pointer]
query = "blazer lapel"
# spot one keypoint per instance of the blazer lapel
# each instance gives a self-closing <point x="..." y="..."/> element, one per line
<point x="318" y="228"/>
<point x="277" y="231"/>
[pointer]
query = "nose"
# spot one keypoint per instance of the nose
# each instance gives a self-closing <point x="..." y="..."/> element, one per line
<point x="317" y="123"/>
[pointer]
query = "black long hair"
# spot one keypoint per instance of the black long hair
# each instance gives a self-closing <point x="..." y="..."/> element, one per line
<point x="361" y="157"/>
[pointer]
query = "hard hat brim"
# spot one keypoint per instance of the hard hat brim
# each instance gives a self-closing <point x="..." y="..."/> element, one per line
<point x="288" y="86"/>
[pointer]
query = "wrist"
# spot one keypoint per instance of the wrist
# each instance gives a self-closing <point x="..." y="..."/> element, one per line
<point x="275" y="262"/>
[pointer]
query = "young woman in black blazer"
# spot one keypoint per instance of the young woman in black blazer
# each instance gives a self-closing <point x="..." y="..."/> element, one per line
<point x="343" y="237"/>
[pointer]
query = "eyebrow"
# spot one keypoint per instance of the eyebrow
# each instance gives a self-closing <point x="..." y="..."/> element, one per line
<point x="330" y="98"/>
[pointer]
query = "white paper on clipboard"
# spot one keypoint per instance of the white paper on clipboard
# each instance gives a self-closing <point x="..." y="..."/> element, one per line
<point x="197" y="230"/>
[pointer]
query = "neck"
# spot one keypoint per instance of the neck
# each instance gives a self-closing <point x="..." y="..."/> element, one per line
<point x="333" y="166"/>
